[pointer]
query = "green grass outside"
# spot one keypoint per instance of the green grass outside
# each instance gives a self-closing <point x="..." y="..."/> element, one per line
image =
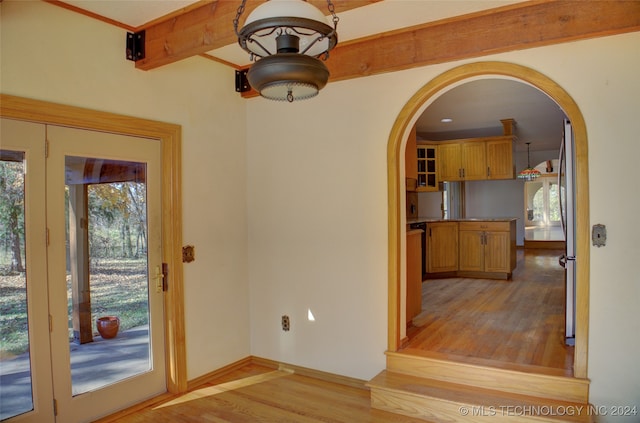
<point x="118" y="288"/>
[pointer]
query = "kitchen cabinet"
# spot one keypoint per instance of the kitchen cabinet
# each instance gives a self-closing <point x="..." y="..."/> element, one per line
<point x="462" y="161"/>
<point x="487" y="246"/>
<point x="414" y="273"/>
<point x="472" y="248"/>
<point x="500" y="163"/>
<point x="442" y="247"/>
<point x="476" y="159"/>
<point x="426" y="172"/>
<point x="411" y="161"/>
<point x="450" y="162"/>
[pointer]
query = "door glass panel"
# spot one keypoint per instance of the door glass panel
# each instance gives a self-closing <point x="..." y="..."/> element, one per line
<point x="107" y="271"/>
<point x="16" y="395"/>
<point x="554" y="203"/>
<point x="539" y="211"/>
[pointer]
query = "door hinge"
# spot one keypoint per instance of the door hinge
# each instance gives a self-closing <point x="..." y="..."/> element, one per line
<point x="55" y="407"/>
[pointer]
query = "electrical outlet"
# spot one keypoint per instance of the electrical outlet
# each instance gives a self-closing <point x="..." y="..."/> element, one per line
<point x="286" y="324"/>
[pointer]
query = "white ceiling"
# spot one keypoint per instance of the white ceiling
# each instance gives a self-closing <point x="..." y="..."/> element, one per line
<point x="476" y="107"/>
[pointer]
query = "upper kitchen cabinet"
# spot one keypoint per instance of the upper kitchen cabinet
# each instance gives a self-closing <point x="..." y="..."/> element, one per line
<point x="462" y="160"/>
<point x="476" y="159"/>
<point x="500" y="158"/>
<point x="427" y="171"/>
<point x="450" y="163"/>
<point x="411" y="161"/>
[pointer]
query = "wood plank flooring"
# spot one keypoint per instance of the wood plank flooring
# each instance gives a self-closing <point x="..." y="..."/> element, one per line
<point x="501" y="323"/>
<point x="256" y="393"/>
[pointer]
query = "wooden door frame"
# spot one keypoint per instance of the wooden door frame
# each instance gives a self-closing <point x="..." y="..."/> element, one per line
<point x="396" y="187"/>
<point x="169" y="135"/>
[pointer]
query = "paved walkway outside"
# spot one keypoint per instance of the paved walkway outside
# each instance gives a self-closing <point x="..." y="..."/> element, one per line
<point x="93" y="365"/>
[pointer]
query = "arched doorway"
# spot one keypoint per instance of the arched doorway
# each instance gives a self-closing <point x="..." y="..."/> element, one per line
<point x="395" y="154"/>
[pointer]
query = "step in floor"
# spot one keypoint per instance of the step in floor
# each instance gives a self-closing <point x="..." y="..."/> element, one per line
<point x="439" y="401"/>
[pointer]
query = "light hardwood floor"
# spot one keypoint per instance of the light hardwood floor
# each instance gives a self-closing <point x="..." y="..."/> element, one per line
<point x="256" y="393"/>
<point x="500" y="323"/>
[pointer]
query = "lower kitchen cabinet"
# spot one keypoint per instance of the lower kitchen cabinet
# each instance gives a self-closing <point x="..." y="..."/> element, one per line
<point x="473" y="248"/>
<point x="414" y="273"/>
<point x="488" y="247"/>
<point x="471" y="251"/>
<point x="442" y="247"/>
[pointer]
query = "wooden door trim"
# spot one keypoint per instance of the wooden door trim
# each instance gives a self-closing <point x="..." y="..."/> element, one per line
<point x="395" y="153"/>
<point x="170" y="137"/>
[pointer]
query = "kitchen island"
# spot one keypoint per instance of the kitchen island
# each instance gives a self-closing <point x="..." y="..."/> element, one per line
<point x="473" y="247"/>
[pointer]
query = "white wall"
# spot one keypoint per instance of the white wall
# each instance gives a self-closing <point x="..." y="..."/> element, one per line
<point x="51" y="54"/>
<point x="430" y="204"/>
<point x="502" y="198"/>
<point x="318" y="213"/>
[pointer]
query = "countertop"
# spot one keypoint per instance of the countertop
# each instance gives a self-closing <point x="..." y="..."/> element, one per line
<point x="467" y="219"/>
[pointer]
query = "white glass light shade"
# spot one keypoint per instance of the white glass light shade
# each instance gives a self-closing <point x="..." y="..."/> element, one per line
<point x="295" y="17"/>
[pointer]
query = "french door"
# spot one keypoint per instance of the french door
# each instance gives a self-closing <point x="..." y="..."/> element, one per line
<point x="99" y="200"/>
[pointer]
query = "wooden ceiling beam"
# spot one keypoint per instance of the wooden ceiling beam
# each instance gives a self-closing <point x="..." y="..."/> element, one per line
<point x="516" y="27"/>
<point x="205" y="27"/>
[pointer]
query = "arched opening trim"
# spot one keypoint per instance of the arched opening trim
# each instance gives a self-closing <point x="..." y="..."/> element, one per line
<point x="396" y="191"/>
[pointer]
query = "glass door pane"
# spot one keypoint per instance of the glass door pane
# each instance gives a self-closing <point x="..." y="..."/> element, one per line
<point x="554" y="203"/>
<point x="107" y="279"/>
<point x="25" y="363"/>
<point x="15" y="363"/>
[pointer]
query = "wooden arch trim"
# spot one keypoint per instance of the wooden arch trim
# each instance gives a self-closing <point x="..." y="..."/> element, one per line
<point x="170" y="135"/>
<point x="395" y="153"/>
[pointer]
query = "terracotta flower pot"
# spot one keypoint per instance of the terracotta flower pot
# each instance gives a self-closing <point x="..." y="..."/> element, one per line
<point x="108" y="326"/>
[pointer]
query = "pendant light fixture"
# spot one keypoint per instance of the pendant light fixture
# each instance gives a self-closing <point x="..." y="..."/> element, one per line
<point x="287" y="39"/>
<point x="530" y="173"/>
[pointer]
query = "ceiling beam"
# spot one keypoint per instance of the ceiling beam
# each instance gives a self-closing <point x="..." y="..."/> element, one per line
<point x="203" y="28"/>
<point x="523" y="25"/>
<point x="515" y="27"/>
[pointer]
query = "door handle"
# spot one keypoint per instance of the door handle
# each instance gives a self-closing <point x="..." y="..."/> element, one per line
<point x="562" y="260"/>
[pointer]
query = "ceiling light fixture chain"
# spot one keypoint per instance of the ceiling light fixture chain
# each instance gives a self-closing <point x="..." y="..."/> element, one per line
<point x="239" y="12"/>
